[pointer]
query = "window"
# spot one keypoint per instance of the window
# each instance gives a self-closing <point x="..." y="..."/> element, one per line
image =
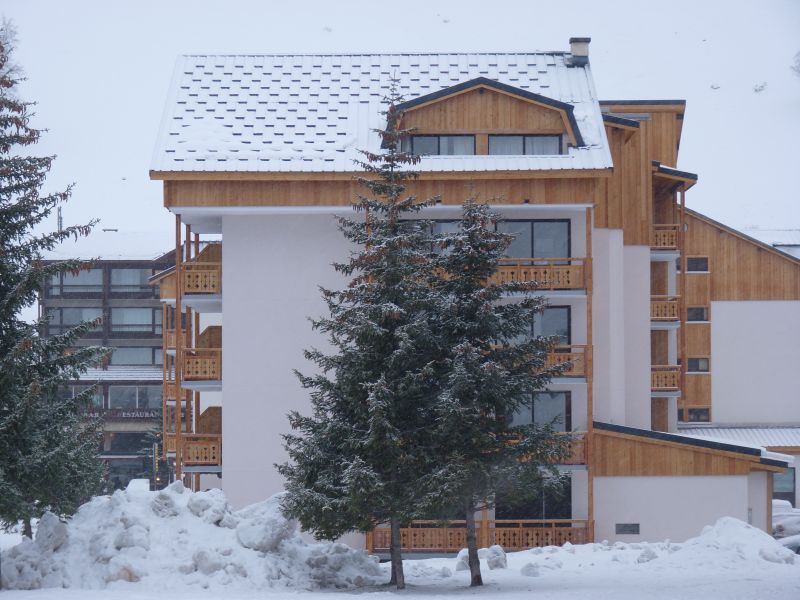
<point x="697" y="264"/>
<point x="783" y="486"/>
<point x="525" y="144"/>
<point x="136" y="320"/>
<point x="554" y="408"/>
<point x="444" y="227"/>
<point x="63" y="319"/>
<point x="697" y="313"/>
<point x="128" y="397"/>
<point x="554" y="321"/>
<point x="697" y="365"/>
<point x="83" y="282"/>
<point x="130" y="280"/>
<point x="125" y="443"/>
<point x="537" y="239"/>
<point x="96" y="399"/>
<point x="136" y="356"/>
<point x="443" y="145"/>
<point x="696" y="415"/>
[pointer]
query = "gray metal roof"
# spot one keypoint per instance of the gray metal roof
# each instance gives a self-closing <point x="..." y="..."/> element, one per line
<point x="311" y="113"/>
<point x="772" y="436"/>
<point x="132" y="373"/>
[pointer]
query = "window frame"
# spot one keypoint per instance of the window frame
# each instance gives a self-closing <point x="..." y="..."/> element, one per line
<point x="156" y="352"/>
<point x="438" y="137"/>
<point x="708" y="264"/>
<point x="689" y="360"/>
<point x="706" y="314"/>
<point x="790" y="496"/>
<point x="524" y="137"/>
<point x="567" y="422"/>
<point x="533" y="236"/>
<point x="128" y="329"/>
<point x="689" y="410"/>
<point x="568" y="307"/>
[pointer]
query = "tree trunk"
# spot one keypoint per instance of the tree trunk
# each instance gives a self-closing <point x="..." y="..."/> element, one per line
<point x="27" y="528"/>
<point x="395" y="550"/>
<point x="472" y="548"/>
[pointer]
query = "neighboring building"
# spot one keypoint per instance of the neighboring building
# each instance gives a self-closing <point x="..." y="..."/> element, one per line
<point x="260" y="150"/>
<point x="129" y="383"/>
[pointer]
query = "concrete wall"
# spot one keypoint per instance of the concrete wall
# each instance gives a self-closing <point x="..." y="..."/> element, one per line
<point x="755" y="353"/>
<point x="757" y="500"/>
<point x="272" y="265"/>
<point x="674" y="508"/>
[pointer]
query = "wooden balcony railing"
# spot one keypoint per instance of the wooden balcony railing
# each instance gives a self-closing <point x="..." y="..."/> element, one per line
<point x="665" y="378"/>
<point x="549" y="273"/>
<point x="169" y="337"/>
<point x="170" y="391"/>
<point x="664" y="308"/>
<point x="186" y="419"/>
<point x="202" y="277"/>
<point x="517" y="534"/>
<point x="665" y="237"/>
<point x="198" y="449"/>
<point x="579" y="355"/>
<point x="202" y="364"/>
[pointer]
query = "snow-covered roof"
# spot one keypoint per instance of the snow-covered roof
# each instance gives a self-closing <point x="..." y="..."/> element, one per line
<point x="116" y="244"/>
<point x="773" y="436"/>
<point x="311" y="113"/>
<point x="775" y="237"/>
<point x="132" y="373"/>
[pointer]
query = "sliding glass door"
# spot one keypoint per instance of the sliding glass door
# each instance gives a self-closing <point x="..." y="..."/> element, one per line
<point x="538" y="239"/>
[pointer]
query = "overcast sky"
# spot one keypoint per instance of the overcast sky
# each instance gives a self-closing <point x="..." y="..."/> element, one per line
<point x="100" y="70"/>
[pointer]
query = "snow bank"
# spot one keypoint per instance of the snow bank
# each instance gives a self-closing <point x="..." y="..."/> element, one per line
<point x="176" y="539"/>
<point x="785" y="519"/>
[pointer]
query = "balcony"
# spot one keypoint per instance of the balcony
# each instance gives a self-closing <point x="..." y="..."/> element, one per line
<point x="665" y="378"/>
<point x="549" y="273"/>
<point x="512" y="535"/>
<point x="198" y="448"/>
<point x="664" y="237"/>
<point x="201" y="280"/>
<point x="202" y="365"/>
<point x="169" y="338"/>
<point x="665" y="312"/>
<point x="579" y="357"/>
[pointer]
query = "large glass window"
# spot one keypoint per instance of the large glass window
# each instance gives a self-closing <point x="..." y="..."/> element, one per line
<point x="124" y="443"/>
<point x="128" y="355"/>
<point x="149" y="396"/>
<point x="97" y="399"/>
<point x="139" y="320"/>
<point x="524" y="144"/>
<point x="553" y="408"/>
<point x="130" y="280"/>
<point x="537" y="239"/>
<point x="63" y="319"/>
<point x="445" y="145"/>
<point x="122" y="396"/>
<point x="553" y="321"/>
<point x="82" y="282"/>
<point x="783" y="486"/>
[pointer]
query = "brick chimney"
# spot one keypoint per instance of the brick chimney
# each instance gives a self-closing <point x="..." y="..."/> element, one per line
<point x="579" y="47"/>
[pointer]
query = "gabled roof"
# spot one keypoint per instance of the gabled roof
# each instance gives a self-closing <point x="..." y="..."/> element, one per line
<point x="484" y="82"/>
<point x="777" y="436"/>
<point x="311" y="113"/>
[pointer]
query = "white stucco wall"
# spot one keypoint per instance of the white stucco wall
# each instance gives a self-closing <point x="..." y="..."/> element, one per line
<point x="272" y="267"/>
<point x="608" y="322"/>
<point x="637" y="336"/>
<point x="755" y="361"/>
<point x="757" y="500"/>
<point x="674" y="508"/>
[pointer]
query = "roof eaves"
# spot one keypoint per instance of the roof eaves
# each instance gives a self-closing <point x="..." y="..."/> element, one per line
<point x="643" y="102"/>
<point x="622" y="122"/>
<point x="503" y="87"/>
<point x="674" y="172"/>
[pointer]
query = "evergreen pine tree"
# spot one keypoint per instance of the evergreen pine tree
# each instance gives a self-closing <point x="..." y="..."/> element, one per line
<point x="48" y="452"/>
<point x="358" y="460"/>
<point x="492" y="368"/>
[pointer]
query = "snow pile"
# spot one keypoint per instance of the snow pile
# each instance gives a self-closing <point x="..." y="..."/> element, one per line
<point x="176" y="539"/>
<point x="493" y="557"/>
<point x="785" y="519"/>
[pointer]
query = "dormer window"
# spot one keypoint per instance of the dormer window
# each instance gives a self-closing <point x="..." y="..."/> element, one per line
<point x="521" y="145"/>
<point x="443" y="145"/>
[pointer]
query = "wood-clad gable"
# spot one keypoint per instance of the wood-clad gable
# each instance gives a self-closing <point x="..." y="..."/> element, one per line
<point x="628" y="452"/>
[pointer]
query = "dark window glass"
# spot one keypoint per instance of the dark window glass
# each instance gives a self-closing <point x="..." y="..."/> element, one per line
<point x="133" y="356"/>
<point x="543" y="144"/>
<point x="83" y="281"/>
<point x="97" y="400"/>
<point x="697" y="263"/>
<point x="783" y="486"/>
<point x="553" y="321"/>
<point x="506" y="144"/>
<point x="537" y="239"/>
<point x="699" y="415"/>
<point x="445" y="145"/>
<point x="149" y="396"/>
<point x="125" y="443"/>
<point x="145" y="320"/>
<point x="122" y="396"/>
<point x="697" y="313"/>
<point x="697" y="365"/>
<point x="546" y="408"/>
<point x="130" y="280"/>
<point x="75" y="316"/>
<point x="425" y="144"/>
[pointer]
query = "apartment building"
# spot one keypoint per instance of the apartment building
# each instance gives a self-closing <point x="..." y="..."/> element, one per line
<point x="259" y="149"/>
<point x="128" y="385"/>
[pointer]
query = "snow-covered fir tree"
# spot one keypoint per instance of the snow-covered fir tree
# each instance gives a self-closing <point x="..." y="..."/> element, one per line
<point x="491" y="367"/>
<point x="48" y="452"/>
<point x="360" y="458"/>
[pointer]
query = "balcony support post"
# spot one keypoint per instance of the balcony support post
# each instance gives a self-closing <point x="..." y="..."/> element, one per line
<point x="588" y="364"/>
<point x="178" y="363"/>
<point x="682" y="306"/>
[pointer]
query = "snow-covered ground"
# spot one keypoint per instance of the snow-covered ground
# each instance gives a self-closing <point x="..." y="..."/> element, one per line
<point x="138" y="544"/>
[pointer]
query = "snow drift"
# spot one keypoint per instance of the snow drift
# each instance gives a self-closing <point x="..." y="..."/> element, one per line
<point x="177" y="539"/>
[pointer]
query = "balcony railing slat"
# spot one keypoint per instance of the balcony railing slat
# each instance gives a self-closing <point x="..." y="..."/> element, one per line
<point x="549" y="273"/>
<point x="665" y="237"/>
<point x="665" y="378"/>
<point x="664" y="308"/>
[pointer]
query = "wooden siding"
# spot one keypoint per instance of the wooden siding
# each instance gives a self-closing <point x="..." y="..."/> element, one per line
<point x="697" y="391"/>
<point x="620" y="454"/>
<point x="564" y="190"/>
<point x="210" y="421"/>
<point x="482" y="111"/>
<point x="741" y="269"/>
<point x="698" y="339"/>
